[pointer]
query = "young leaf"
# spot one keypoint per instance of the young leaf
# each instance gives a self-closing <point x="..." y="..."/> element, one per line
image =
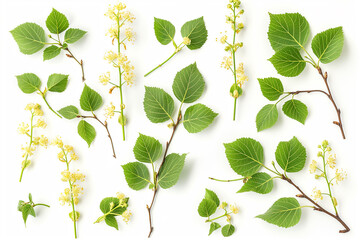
<point x="188" y="84"/>
<point x="288" y="30"/>
<point x="285" y="212"/>
<point x="90" y="100"/>
<point x="30" y="37"/>
<point x="21" y="205"/>
<point x="56" y="22"/>
<point x="266" y="117"/>
<point x="212" y="196"/>
<point x="73" y="34"/>
<point x="57" y="82"/>
<point x="76" y="215"/>
<point x="69" y="112"/>
<point x="111" y="221"/>
<point x="196" y="31"/>
<point x="164" y="31"/>
<point x="158" y="105"/>
<point x="51" y="52"/>
<point x="147" y="149"/>
<point x="137" y="175"/>
<point x="30" y="198"/>
<point x="106" y="202"/>
<point x="228" y="230"/>
<point x="245" y="155"/>
<point x="328" y="45"/>
<point x="288" y="62"/>
<point x="26" y="211"/>
<point x="198" y="117"/>
<point x="271" y="88"/>
<point x="259" y="182"/>
<point x="86" y="131"/>
<point x="291" y="155"/>
<point x="28" y="82"/>
<point x="296" y="110"/>
<point x="213" y="226"/>
<point x="170" y="171"/>
<point x="206" y="208"/>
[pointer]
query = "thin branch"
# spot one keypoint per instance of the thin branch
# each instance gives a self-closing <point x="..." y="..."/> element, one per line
<point x="81" y="63"/>
<point x="156" y="177"/>
<point x="317" y="206"/>
<point x="107" y="130"/>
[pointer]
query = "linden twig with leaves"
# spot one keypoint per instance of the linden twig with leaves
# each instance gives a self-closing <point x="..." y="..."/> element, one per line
<point x="90" y="101"/>
<point x="30" y="83"/>
<point x="72" y="193"/>
<point x="207" y="208"/>
<point x="194" y="35"/>
<point x="159" y="107"/>
<point x="27" y="208"/>
<point x="24" y="128"/>
<point x="288" y="33"/>
<point x="112" y="207"/>
<point x="30" y="38"/>
<point x="246" y="158"/>
<point x="232" y="46"/>
<point x="121" y="34"/>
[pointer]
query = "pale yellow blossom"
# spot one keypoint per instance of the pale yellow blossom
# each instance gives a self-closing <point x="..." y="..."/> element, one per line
<point x="105" y="78"/>
<point x="340" y="175"/>
<point x="234" y="209"/>
<point x="313" y="166"/>
<point x="331" y="161"/>
<point x="187" y="41"/>
<point x="110" y="111"/>
<point x="23" y="128"/>
<point x="317" y="195"/>
<point x="126" y="216"/>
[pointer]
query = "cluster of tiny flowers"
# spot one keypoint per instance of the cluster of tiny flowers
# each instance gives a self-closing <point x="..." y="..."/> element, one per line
<point x="187" y="41"/>
<point x="328" y="160"/>
<point x="26" y="129"/>
<point x="117" y="13"/>
<point x="227" y="62"/>
<point x="241" y="78"/>
<point x="110" y="111"/>
<point x="105" y="78"/>
<point x="234" y="209"/>
<point x="119" y="61"/>
<point x="71" y="195"/>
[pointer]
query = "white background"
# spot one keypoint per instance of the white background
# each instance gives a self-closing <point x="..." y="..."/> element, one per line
<point x="175" y="212"/>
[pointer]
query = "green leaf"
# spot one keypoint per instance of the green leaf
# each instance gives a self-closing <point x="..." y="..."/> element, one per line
<point x="73" y="34"/>
<point x="107" y="203"/>
<point x="328" y="45"/>
<point x="188" y="84"/>
<point x="86" y="131"/>
<point x="51" y="52"/>
<point x="206" y="208"/>
<point x="296" y="110"/>
<point x="164" y="31"/>
<point x="28" y="82"/>
<point x="170" y="171"/>
<point x="198" y="117"/>
<point x="147" y="149"/>
<point x="26" y="211"/>
<point x="271" y="88"/>
<point x="212" y="196"/>
<point x="137" y="175"/>
<point x="228" y="230"/>
<point x="196" y="31"/>
<point x="30" y="37"/>
<point x="285" y="212"/>
<point x="158" y="105"/>
<point x="21" y="205"/>
<point x="90" y="100"/>
<point x="57" y="82"/>
<point x="288" y="62"/>
<point x="56" y="22"/>
<point x="259" y="182"/>
<point x="266" y="117"/>
<point x="69" y="112"/>
<point x="245" y="155"/>
<point x="213" y="226"/>
<point x="288" y="30"/>
<point x="291" y="155"/>
<point x="110" y="220"/>
<point x="30" y="198"/>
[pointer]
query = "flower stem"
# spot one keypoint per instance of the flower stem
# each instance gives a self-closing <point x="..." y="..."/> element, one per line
<point x="234" y="62"/>
<point x="175" y="52"/>
<point x="30" y="143"/>
<point x="120" y="82"/>
<point x="43" y="96"/>
<point x="328" y="182"/>
<point x="41" y="204"/>
<point x="231" y="180"/>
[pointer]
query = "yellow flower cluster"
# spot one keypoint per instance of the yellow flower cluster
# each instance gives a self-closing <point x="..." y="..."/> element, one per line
<point x="117" y="13"/>
<point x="126" y="216"/>
<point x="105" y="78"/>
<point x="186" y="41"/>
<point x="67" y="176"/>
<point x="317" y="195"/>
<point x="227" y="62"/>
<point x="28" y="151"/>
<point x="41" y="141"/>
<point x="234" y="209"/>
<point x="110" y="111"/>
<point x="241" y="78"/>
<point x="340" y="175"/>
<point x="34" y="109"/>
<point x="71" y="195"/>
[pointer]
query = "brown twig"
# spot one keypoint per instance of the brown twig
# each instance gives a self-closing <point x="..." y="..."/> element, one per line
<point x="81" y="63"/>
<point x="317" y="206"/>
<point x="106" y="127"/>
<point x="156" y="176"/>
<point x="329" y="95"/>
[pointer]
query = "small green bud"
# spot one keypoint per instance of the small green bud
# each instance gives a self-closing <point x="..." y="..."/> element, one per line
<point x="319" y="154"/>
<point x="325" y="143"/>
